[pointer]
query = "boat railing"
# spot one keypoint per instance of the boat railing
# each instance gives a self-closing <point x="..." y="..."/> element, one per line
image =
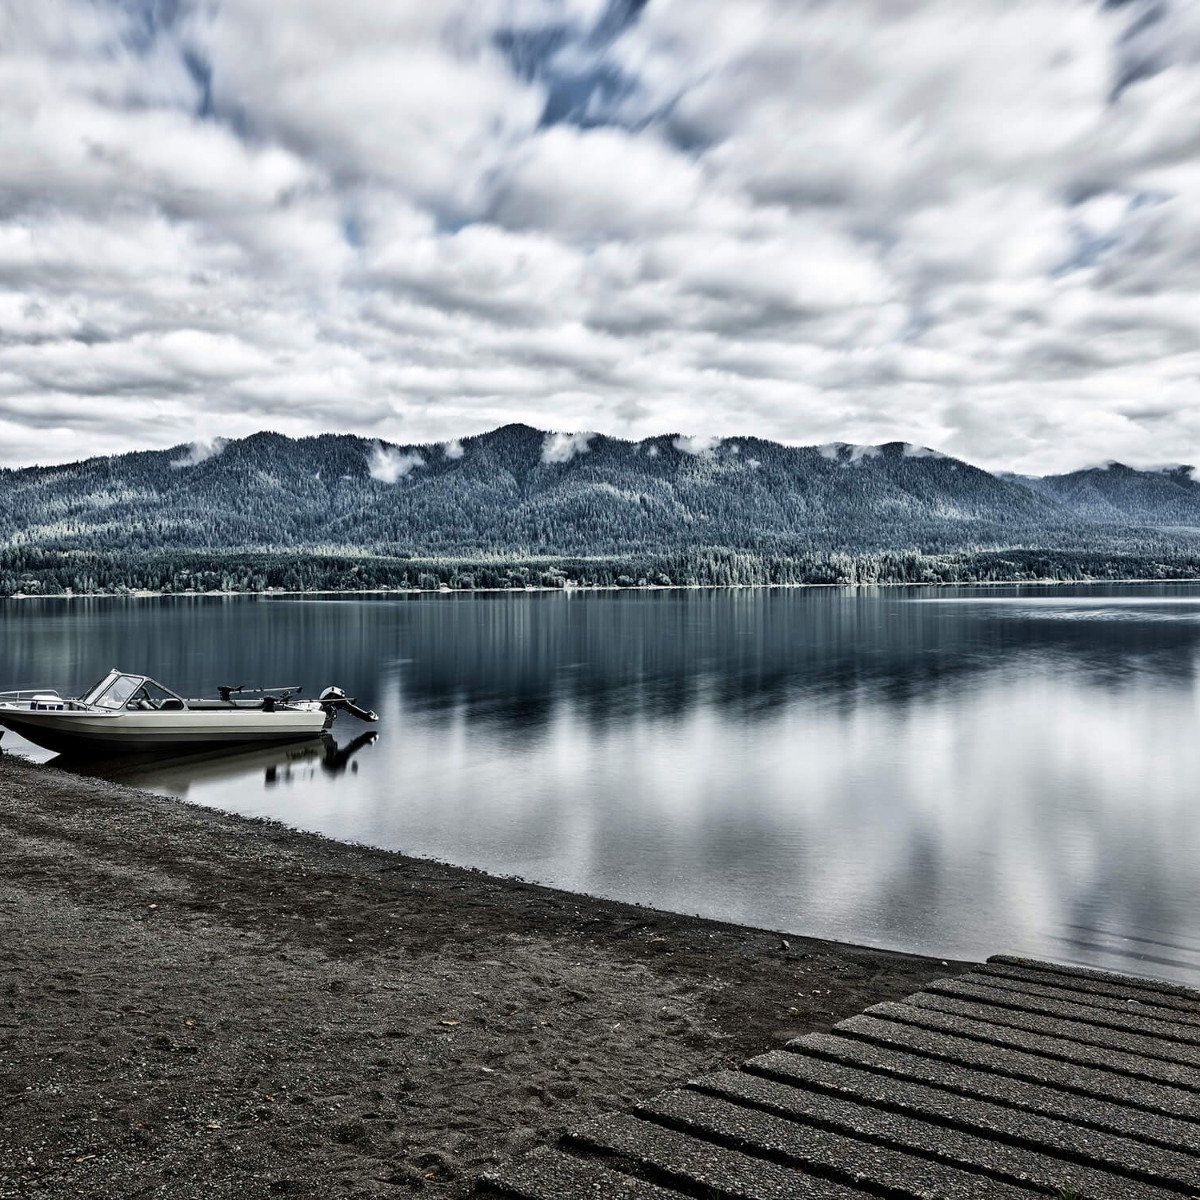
<point x="29" y="697"/>
<point x="227" y="691"/>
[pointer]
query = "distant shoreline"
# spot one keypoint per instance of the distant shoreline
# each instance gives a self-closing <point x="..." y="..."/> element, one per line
<point x="273" y="593"/>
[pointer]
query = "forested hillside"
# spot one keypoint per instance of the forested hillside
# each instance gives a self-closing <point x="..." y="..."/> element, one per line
<point x="1117" y="494"/>
<point x="517" y="507"/>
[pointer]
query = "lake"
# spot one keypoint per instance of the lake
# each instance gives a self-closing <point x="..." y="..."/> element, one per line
<point x="956" y="772"/>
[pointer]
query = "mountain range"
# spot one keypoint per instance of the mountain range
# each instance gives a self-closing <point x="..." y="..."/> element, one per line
<point x="521" y="494"/>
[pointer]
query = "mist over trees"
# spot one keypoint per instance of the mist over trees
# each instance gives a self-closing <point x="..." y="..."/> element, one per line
<point x="519" y="508"/>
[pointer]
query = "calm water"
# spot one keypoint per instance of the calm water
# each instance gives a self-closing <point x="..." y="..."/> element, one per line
<point x="956" y="772"/>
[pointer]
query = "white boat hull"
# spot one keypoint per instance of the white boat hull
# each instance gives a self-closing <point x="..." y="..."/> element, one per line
<point x="121" y="732"/>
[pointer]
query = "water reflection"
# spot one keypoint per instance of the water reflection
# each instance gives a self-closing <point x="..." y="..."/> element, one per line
<point x="959" y="772"/>
<point x="177" y="774"/>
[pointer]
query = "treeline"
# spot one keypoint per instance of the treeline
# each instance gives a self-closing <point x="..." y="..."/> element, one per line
<point x="32" y="572"/>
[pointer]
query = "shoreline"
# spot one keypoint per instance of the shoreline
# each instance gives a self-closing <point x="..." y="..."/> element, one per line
<point x="273" y="593"/>
<point x="199" y="1004"/>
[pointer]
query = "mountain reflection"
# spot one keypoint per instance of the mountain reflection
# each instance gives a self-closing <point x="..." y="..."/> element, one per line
<point x="961" y="772"/>
<point x="512" y="660"/>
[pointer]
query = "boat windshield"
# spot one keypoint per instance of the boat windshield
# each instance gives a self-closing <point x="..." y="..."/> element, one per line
<point x="118" y="691"/>
<point x="153" y="695"/>
<point x="97" y="689"/>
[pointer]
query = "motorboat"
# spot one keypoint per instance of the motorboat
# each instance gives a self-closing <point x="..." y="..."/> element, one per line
<point x="125" y="713"/>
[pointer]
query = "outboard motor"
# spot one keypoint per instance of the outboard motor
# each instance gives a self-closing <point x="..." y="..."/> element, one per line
<point x="336" y="700"/>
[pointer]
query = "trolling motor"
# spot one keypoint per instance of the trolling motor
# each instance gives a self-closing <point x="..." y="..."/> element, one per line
<point x="334" y="700"/>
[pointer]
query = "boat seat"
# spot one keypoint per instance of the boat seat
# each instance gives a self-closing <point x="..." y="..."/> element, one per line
<point x="171" y="705"/>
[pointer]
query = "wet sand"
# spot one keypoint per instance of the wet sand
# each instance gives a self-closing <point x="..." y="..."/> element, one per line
<point x="194" y="1004"/>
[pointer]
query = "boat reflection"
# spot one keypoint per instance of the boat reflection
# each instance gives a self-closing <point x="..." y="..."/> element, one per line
<point x="177" y="773"/>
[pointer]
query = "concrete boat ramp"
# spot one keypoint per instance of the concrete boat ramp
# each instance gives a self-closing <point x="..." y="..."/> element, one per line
<point x="1017" y="1079"/>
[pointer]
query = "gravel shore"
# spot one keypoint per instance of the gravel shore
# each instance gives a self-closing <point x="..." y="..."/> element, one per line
<point x="199" y="1005"/>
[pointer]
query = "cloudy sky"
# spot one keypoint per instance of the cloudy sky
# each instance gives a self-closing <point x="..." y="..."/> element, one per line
<point x="974" y="226"/>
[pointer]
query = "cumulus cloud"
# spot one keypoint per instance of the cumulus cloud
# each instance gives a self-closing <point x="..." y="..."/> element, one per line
<point x="696" y="444"/>
<point x="847" y="454"/>
<point x="198" y="452"/>
<point x="975" y="228"/>
<point x="562" y="447"/>
<point x="390" y="465"/>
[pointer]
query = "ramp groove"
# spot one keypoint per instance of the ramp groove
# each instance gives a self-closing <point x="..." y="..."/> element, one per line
<point x="1018" y="1079"/>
